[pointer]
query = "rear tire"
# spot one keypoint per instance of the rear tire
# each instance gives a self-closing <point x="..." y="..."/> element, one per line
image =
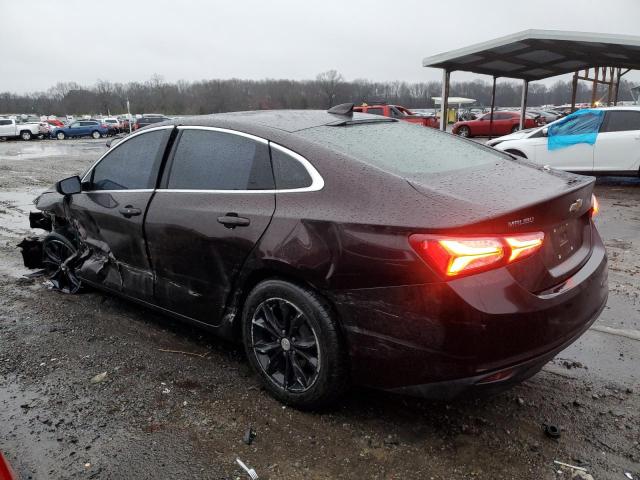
<point x="464" y="131"/>
<point x="95" y="134"/>
<point x="25" y="135"/>
<point x="515" y="128"/>
<point x="293" y="343"/>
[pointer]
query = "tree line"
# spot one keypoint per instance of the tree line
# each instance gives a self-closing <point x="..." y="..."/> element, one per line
<point x="328" y="88"/>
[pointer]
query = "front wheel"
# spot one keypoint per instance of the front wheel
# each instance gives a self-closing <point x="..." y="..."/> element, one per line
<point x="25" y="135"/>
<point x="59" y="257"/>
<point x="95" y="134"/>
<point x="464" y="131"/>
<point x="60" y="135"/>
<point x="293" y="342"/>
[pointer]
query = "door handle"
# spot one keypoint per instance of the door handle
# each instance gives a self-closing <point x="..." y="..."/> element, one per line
<point x="129" y="211"/>
<point x="232" y="220"/>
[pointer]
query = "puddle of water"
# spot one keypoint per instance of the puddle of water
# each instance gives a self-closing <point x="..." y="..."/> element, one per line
<point x="15" y="206"/>
<point x="48" y="148"/>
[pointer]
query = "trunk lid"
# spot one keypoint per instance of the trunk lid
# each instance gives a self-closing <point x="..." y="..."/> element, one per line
<point x="517" y="197"/>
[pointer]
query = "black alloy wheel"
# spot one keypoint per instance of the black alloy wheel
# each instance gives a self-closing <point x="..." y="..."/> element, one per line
<point x="285" y="345"/>
<point x="58" y="258"/>
<point x="294" y="344"/>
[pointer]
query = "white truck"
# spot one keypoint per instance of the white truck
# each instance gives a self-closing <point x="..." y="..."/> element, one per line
<point x="10" y="128"/>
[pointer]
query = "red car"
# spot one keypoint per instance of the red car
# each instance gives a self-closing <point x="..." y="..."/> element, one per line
<point x="396" y="111"/>
<point x="504" y="123"/>
<point x="55" y="123"/>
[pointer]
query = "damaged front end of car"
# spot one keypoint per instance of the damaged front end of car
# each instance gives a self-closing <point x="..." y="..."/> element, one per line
<point x="57" y="252"/>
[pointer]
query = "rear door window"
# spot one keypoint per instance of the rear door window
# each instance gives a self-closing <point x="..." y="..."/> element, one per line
<point x="132" y="164"/>
<point x="213" y="160"/>
<point x="621" y="121"/>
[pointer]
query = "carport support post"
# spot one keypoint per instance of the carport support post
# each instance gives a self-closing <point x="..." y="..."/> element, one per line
<point x="574" y="91"/>
<point x="444" y="99"/>
<point x="493" y="105"/>
<point x="523" y="112"/>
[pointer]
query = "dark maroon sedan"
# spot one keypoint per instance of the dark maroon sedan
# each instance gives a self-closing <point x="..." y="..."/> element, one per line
<point x="338" y="247"/>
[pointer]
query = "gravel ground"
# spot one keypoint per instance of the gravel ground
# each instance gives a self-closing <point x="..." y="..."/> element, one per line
<point x="158" y="413"/>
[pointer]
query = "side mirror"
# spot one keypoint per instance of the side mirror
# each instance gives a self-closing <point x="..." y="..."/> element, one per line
<point x="69" y="186"/>
<point x="545" y="131"/>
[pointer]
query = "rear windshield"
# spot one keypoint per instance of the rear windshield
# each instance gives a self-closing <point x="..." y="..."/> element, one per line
<point x="402" y="148"/>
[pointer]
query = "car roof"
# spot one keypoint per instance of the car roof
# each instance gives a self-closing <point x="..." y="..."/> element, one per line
<point x="285" y="120"/>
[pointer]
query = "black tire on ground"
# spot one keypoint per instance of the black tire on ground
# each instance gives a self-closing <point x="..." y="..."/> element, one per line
<point x="294" y="344"/>
<point x="60" y="136"/>
<point x="25" y="135"/>
<point x="464" y="131"/>
<point x="95" y="134"/>
<point x="515" y="128"/>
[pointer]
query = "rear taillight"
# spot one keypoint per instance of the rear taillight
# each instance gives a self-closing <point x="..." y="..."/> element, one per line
<point x="458" y="256"/>
<point x="595" y="206"/>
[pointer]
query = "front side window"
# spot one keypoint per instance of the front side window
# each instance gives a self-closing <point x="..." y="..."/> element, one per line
<point x="75" y="125"/>
<point x="212" y="160"/>
<point x="622" y="121"/>
<point x="132" y="164"/>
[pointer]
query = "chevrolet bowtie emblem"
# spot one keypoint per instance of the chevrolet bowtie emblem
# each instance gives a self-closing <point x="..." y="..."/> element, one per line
<point x="575" y="206"/>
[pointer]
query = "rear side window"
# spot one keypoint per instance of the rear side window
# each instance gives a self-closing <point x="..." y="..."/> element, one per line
<point x="132" y="164"/>
<point x="5" y="122"/>
<point x="402" y="148"/>
<point x="622" y="121"/>
<point x="211" y="160"/>
<point x="288" y="171"/>
<point x="375" y="111"/>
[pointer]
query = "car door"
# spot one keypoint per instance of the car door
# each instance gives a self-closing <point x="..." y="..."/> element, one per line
<point x="109" y="212"/>
<point x="573" y="158"/>
<point x="75" y="129"/>
<point x="481" y="125"/>
<point x="6" y="127"/>
<point x="215" y="201"/>
<point x="617" y="147"/>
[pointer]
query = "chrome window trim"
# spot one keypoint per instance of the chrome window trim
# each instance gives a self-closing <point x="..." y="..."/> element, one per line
<point x="124" y="190"/>
<point x="317" y="182"/>
<point x="125" y="139"/>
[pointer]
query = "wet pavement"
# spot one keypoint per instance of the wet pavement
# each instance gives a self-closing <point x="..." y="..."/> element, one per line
<point x="176" y="402"/>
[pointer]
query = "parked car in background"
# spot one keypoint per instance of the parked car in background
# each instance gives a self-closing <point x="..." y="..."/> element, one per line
<point x="81" y="128"/>
<point x="545" y="115"/>
<point x="148" y="120"/>
<point x="336" y="247"/>
<point x="55" y="122"/>
<point x="503" y="123"/>
<point x="616" y="150"/>
<point x="113" y="124"/>
<point x="10" y="128"/>
<point x="396" y="111"/>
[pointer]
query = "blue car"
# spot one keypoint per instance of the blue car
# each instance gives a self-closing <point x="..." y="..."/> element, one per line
<point x="81" y="128"/>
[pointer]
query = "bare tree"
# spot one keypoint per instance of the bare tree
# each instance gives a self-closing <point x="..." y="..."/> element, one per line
<point x="328" y="82"/>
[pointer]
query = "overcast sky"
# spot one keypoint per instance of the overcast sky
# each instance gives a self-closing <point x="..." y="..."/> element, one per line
<point x="121" y="41"/>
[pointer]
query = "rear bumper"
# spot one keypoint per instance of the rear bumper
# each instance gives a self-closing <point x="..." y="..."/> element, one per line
<point x="440" y="339"/>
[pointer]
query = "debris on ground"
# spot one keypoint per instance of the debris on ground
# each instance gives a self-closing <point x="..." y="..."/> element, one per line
<point x="99" y="378"/>
<point x="250" y="471"/>
<point x="249" y="435"/>
<point x="552" y="431"/>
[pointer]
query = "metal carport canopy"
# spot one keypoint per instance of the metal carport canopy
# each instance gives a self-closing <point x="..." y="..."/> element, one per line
<point x="536" y="54"/>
